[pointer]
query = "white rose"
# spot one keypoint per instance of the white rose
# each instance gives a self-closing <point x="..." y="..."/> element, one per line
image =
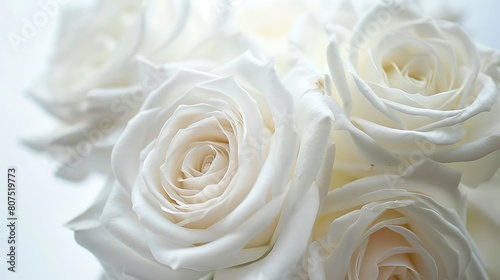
<point x="216" y="171"/>
<point x="93" y="46"/>
<point x="119" y="262"/>
<point x="104" y="66"/>
<point x="412" y="88"/>
<point x="394" y="227"/>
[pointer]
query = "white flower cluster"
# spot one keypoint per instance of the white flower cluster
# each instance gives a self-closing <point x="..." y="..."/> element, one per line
<point x="279" y="139"/>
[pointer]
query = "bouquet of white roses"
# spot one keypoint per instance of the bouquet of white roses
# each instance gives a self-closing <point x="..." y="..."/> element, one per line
<point x="279" y="139"/>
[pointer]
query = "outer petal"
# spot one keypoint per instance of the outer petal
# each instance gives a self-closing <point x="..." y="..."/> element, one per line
<point x="85" y="28"/>
<point x="124" y="160"/>
<point x="483" y="222"/>
<point x="283" y="256"/>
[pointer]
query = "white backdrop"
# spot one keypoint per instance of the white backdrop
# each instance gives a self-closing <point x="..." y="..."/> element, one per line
<point x="46" y="249"/>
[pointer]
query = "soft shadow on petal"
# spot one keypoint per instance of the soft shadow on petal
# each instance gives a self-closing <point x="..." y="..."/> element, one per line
<point x="284" y="255"/>
<point x="483" y="222"/>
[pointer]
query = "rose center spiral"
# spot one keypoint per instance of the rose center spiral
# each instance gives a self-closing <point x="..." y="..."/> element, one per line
<point x="207" y="162"/>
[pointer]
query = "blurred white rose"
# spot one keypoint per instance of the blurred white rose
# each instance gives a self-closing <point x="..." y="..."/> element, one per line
<point x="217" y="172"/>
<point x="91" y="65"/>
<point x="105" y="64"/>
<point x="92" y="50"/>
<point x="394" y="227"/>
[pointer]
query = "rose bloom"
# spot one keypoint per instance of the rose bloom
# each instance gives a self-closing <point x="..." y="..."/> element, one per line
<point x="277" y="27"/>
<point x="409" y="88"/>
<point x="218" y="172"/>
<point x="394" y="227"/>
<point x="106" y="61"/>
<point x="91" y="66"/>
